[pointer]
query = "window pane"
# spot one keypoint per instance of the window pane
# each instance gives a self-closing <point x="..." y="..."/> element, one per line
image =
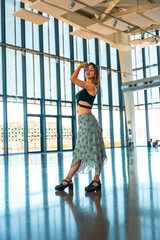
<point x="104" y="87"/>
<point x="113" y="58"/>
<point x="32" y="33"/>
<point x="2" y="191"/>
<point x="152" y="71"/>
<point x="10" y="33"/>
<point x="95" y="111"/>
<point x="1" y="126"/>
<point x="116" y="127"/>
<point x="133" y="58"/>
<point x="141" y="97"/>
<point x="11" y="80"/>
<point x="141" y="138"/>
<point x="115" y="94"/>
<point x="14" y="82"/>
<point x="53" y="79"/>
<point x="1" y="91"/>
<point x="49" y="35"/>
<point x="46" y="44"/>
<point x="18" y="25"/>
<point x="106" y="127"/>
<point x="80" y="47"/>
<point x="65" y="81"/>
<point x="153" y="54"/>
<point x="51" y="133"/>
<point x="154" y="128"/>
<point x="33" y="107"/>
<point x="103" y="56"/>
<point x="67" y="133"/>
<point x="0" y="25"/>
<point x="29" y="32"/>
<point x="33" y="75"/>
<point x="14" y="72"/>
<point x="91" y="50"/>
<point x="155" y="94"/>
<point x="15" y="127"/>
<point x="51" y="108"/>
<point x="64" y="39"/>
<point x="34" y="142"/>
<point x="50" y="78"/>
<point x="66" y="109"/>
<point x="138" y="57"/>
<point x="81" y="76"/>
<point x="52" y="35"/>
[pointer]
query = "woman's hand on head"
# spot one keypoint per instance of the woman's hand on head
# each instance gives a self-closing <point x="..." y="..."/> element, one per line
<point x="84" y="65"/>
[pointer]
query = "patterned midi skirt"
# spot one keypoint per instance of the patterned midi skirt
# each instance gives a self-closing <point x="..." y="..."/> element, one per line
<point x="89" y="147"/>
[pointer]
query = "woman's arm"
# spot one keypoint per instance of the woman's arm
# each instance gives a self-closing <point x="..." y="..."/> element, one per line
<point x="87" y="85"/>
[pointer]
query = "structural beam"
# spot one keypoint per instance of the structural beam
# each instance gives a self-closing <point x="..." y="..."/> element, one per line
<point x="143" y="83"/>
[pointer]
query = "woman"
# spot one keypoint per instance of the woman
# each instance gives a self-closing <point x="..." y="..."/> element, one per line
<point x="89" y="150"/>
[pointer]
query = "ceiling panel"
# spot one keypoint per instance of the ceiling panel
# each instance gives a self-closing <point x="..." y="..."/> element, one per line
<point x="30" y="16"/>
<point x="47" y="8"/>
<point x="28" y="1"/>
<point x="83" y="34"/>
<point x="122" y="47"/>
<point x="153" y="14"/>
<point x="76" y="20"/>
<point x="101" y="29"/>
<point x="145" y="42"/>
<point x="137" y="20"/>
<point x="64" y="4"/>
<point x="119" y="26"/>
<point x="91" y="2"/>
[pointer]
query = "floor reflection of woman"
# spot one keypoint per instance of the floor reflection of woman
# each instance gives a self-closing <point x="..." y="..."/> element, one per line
<point x="90" y="224"/>
<point x="89" y="150"/>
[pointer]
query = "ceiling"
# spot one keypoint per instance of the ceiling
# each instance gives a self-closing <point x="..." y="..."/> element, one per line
<point x="140" y="15"/>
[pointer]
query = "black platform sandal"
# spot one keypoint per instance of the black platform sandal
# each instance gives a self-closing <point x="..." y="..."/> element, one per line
<point x="61" y="187"/>
<point x="92" y="188"/>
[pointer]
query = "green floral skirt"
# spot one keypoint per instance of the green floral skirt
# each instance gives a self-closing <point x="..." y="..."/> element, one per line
<point x="89" y="147"/>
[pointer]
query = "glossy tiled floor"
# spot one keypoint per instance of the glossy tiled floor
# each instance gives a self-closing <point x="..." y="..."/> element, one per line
<point x="128" y="207"/>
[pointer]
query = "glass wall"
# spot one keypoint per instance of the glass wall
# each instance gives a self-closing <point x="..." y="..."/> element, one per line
<point x="33" y="75"/>
<point x="78" y="46"/>
<point x="51" y="133"/>
<point x="1" y="71"/>
<point x="50" y="78"/>
<point x="154" y="127"/>
<point x="13" y="27"/>
<point x="67" y="133"/>
<point x="48" y="91"/>
<point x="1" y="126"/>
<point x="150" y="68"/>
<point x="106" y="127"/>
<point x="31" y="33"/>
<point x="14" y="72"/>
<point x="15" y="125"/>
<point x="34" y="134"/>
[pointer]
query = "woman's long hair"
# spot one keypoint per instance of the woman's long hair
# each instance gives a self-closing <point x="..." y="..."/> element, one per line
<point x="96" y="78"/>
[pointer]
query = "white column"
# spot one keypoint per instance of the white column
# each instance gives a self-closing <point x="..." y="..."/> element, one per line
<point x="126" y="74"/>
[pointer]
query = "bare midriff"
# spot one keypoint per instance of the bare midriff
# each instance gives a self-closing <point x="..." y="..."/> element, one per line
<point x="81" y="110"/>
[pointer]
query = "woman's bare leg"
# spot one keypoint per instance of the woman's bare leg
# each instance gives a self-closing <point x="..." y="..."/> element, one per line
<point x="72" y="171"/>
<point x="96" y="178"/>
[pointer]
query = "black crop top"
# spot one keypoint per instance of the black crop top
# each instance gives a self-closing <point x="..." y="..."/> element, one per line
<point x="83" y="95"/>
